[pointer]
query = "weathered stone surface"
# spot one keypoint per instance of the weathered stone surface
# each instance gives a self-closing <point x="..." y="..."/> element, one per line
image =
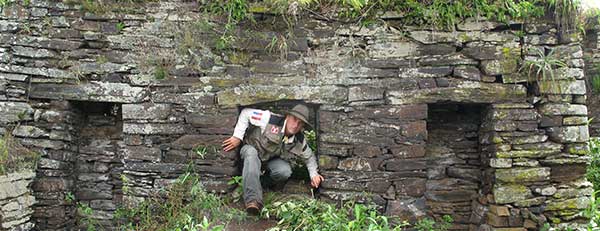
<point x="575" y="120"/>
<point x="93" y="91"/>
<point x="575" y="203"/>
<point x="477" y="24"/>
<point x="406" y="165"/>
<point x="518" y="175"/>
<point x="504" y="194"/>
<point x="576" y="87"/>
<point x="146" y="111"/>
<point x="555" y="109"/>
<point x="499" y="67"/>
<point x="500" y="163"/>
<point x="365" y="93"/>
<point x="40" y="42"/>
<point x="358" y="181"/>
<point x="327" y="162"/>
<point x="569" y="134"/>
<point x="29" y="131"/>
<point x="251" y="95"/>
<point x="32" y="52"/>
<point x="468" y="92"/>
<point x="468" y="72"/>
<point x="148" y="129"/>
<point x="409" y="210"/>
<point x="356" y="164"/>
<point x="425" y="72"/>
<point x="392" y="49"/>
<point x="525" y="153"/>
<point x="15" y="111"/>
<point x="142" y="153"/>
<point x="413" y="187"/>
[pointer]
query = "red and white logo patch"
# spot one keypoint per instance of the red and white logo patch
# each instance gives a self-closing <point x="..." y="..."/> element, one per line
<point x="274" y="130"/>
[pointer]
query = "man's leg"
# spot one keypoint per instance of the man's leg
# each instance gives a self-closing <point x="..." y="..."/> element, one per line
<point x="251" y="174"/>
<point x="279" y="170"/>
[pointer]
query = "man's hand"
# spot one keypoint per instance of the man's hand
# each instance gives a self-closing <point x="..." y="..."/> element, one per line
<point x="231" y="143"/>
<point x="316" y="181"/>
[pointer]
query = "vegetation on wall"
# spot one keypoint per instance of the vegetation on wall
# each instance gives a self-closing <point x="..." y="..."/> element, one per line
<point x="14" y="157"/>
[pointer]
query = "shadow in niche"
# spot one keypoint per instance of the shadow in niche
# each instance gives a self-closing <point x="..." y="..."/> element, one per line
<point x="455" y="161"/>
<point x="298" y="181"/>
<point x="97" y="164"/>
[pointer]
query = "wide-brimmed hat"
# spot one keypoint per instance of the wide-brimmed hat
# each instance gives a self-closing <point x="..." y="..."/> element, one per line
<point x="300" y="111"/>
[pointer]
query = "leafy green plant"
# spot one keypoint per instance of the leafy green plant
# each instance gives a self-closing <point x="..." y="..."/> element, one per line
<point x="160" y="73"/>
<point x="428" y="224"/>
<point x="310" y="214"/>
<point x="543" y="68"/>
<point x="595" y="81"/>
<point x="86" y="212"/>
<point x="120" y="26"/>
<point x="311" y="139"/>
<point x="593" y="169"/>
<point x="201" y="151"/>
<point x="237" y="181"/>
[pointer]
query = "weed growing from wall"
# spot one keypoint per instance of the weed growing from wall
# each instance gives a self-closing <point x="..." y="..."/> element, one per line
<point x="14" y="157"/>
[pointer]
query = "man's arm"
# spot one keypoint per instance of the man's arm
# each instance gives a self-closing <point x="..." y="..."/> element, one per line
<point x="311" y="165"/>
<point x="247" y="116"/>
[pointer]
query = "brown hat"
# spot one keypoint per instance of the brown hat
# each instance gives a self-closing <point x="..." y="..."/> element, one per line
<point x="300" y="111"/>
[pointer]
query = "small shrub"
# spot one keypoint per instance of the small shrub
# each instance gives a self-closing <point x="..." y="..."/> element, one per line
<point x="428" y="224"/>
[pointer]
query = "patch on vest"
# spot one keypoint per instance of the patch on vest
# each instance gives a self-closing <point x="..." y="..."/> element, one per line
<point x="274" y="130"/>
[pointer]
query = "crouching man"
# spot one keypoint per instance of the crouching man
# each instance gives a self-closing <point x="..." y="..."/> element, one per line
<point x="274" y="140"/>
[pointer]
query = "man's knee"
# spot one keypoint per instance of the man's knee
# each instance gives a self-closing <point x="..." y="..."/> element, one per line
<point x="248" y="151"/>
<point x="279" y="170"/>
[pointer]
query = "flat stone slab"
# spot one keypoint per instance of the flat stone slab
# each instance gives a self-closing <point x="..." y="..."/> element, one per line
<point x="466" y="92"/>
<point x="93" y="91"/>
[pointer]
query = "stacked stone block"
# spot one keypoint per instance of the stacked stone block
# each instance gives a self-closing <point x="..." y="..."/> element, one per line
<point x="16" y="201"/>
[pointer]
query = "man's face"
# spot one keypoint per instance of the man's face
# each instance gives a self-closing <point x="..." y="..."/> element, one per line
<point x="293" y="125"/>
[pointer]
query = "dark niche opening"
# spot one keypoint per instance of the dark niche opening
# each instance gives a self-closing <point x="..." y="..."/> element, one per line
<point x="454" y="161"/>
<point x="311" y="134"/>
<point x="96" y="161"/>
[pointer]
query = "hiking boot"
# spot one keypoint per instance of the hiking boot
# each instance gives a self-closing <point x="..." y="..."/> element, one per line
<point x="253" y="208"/>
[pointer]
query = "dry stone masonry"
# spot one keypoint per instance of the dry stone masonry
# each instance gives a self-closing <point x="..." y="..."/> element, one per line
<point x="421" y="122"/>
<point x="16" y="201"/>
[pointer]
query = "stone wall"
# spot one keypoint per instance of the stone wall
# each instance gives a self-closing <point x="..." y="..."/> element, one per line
<point x="591" y="46"/>
<point x="408" y="118"/>
<point x="16" y="201"/>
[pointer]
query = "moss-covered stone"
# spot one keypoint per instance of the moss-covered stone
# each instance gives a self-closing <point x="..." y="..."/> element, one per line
<point x="525" y="153"/>
<point x="504" y="194"/>
<point x="515" y="175"/>
<point x="254" y="94"/>
<point x="574" y="203"/>
<point x="466" y="92"/>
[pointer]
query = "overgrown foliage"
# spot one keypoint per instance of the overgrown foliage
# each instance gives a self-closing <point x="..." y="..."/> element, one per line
<point x="14" y="157"/>
<point x="593" y="170"/>
<point x="310" y="214"/>
<point x="184" y="205"/>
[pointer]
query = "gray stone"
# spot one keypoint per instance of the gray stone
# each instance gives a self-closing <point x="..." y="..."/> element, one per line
<point x="32" y="52"/>
<point x="563" y="109"/>
<point x="15" y="111"/>
<point x="569" y="134"/>
<point x="408" y="210"/>
<point x="504" y="194"/>
<point x="8" y="26"/>
<point x="519" y="175"/>
<point x="146" y="111"/>
<point x="138" y="153"/>
<point x="359" y="93"/>
<point x="575" y="203"/>
<point x="93" y="91"/>
<point x="251" y="95"/>
<point x="499" y="67"/>
<point x="525" y="153"/>
<point x="46" y="72"/>
<point x="468" y="72"/>
<point x="53" y="164"/>
<point x="500" y="163"/>
<point x="15" y="77"/>
<point x="543" y="39"/>
<point x="425" y="72"/>
<point x="576" y="87"/>
<point x="477" y="24"/>
<point x="356" y="164"/>
<point x="138" y="42"/>
<point x="392" y="49"/>
<point x="39" y="42"/>
<point x="29" y="131"/>
<point x="149" y="129"/>
<point x="99" y="68"/>
<point x="575" y="120"/>
<point x="467" y="92"/>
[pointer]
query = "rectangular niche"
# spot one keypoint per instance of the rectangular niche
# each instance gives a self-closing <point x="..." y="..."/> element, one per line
<point x="454" y="160"/>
